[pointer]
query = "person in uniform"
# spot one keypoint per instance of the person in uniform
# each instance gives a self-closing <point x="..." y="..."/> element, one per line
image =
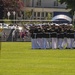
<point x="33" y="36"/>
<point x="54" y="37"/>
<point x="72" y="45"/>
<point x="48" y="37"/>
<point x="60" y="37"/>
<point x="69" y="38"/>
<point x="64" y="43"/>
<point x="44" y="36"/>
<point x="39" y="37"/>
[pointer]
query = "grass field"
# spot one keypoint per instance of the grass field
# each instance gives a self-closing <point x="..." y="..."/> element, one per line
<point x="17" y="58"/>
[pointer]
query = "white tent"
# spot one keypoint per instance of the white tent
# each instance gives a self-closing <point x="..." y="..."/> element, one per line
<point x="65" y="17"/>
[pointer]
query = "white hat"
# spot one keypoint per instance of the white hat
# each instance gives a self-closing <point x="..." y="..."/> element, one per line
<point x="70" y="25"/>
<point x="56" y="24"/>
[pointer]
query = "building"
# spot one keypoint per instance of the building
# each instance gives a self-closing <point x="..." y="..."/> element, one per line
<point x="42" y="9"/>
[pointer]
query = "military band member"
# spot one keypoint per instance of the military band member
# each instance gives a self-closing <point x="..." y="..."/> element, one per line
<point x="60" y="37"/>
<point x="49" y="40"/>
<point x="64" y="44"/>
<point x="40" y="38"/>
<point x="54" y="37"/>
<point x="72" y="38"/>
<point x="69" y="44"/>
<point x="33" y="40"/>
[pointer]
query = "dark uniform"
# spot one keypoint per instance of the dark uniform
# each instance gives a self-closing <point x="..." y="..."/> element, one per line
<point x="54" y="38"/>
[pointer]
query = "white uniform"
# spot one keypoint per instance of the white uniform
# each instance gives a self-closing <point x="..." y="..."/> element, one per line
<point x="69" y="43"/>
<point x="54" y="43"/>
<point x="64" y="43"/>
<point x="60" y="41"/>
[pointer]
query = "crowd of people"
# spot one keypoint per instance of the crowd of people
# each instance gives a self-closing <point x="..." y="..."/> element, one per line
<point x="16" y="34"/>
<point x="19" y="35"/>
<point x="46" y="35"/>
<point x="52" y="35"/>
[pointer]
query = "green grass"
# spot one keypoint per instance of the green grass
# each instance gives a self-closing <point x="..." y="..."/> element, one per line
<point x="17" y="58"/>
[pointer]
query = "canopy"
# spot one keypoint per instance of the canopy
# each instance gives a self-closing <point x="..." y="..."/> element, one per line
<point x="64" y="17"/>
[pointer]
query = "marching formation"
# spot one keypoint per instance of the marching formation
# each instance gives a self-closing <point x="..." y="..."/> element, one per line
<point x="47" y="36"/>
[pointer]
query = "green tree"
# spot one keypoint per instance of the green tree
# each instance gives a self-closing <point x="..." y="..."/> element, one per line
<point x="28" y="14"/>
<point x="49" y="16"/>
<point x="70" y="4"/>
<point x="10" y="5"/>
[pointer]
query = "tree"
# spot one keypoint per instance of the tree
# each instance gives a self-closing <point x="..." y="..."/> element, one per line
<point x="1" y="9"/>
<point x="10" y="5"/>
<point x="70" y="4"/>
<point x="28" y="14"/>
<point x="49" y="16"/>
